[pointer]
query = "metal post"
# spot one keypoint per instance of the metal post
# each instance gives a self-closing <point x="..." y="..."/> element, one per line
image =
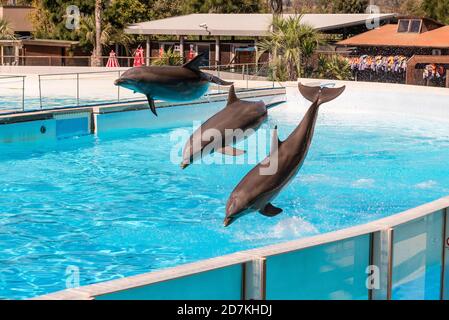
<point x="118" y="89"/>
<point x="40" y="92"/>
<point x="382" y="258"/>
<point x="444" y="295"/>
<point x="77" y="89"/>
<point x="247" y="77"/>
<point x="255" y="280"/>
<point x="23" y="93"/>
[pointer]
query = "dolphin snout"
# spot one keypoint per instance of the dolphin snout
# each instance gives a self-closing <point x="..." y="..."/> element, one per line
<point x="118" y="82"/>
<point x="184" y="165"/>
<point x="227" y="221"/>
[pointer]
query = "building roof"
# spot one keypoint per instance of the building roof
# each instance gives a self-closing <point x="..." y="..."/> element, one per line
<point x="40" y="42"/>
<point x="388" y="36"/>
<point x="242" y="24"/>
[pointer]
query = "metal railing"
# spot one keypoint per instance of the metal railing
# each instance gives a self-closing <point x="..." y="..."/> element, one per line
<point x="68" y="61"/>
<point x="232" y="72"/>
<point x="21" y="80"/>
<point x="76" y="76"/>
<point x="248" y="70"/>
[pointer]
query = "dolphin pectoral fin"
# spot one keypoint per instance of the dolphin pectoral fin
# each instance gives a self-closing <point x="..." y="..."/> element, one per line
<point x="231" y="151"/>
<point x="152" y="105"/>
<point x="211" y="78"/>
<point x="270" y="211"/>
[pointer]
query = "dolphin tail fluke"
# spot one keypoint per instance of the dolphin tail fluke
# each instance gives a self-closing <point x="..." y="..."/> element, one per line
<point x="320" y="94"/>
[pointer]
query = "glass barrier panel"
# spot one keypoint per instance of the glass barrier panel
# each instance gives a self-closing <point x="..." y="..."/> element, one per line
<point x="417" y="259"/>
<point x="331" y="271"/>
<point x="224" y="283"/>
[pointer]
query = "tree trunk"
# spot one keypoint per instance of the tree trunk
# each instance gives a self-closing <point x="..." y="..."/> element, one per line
<point x="98" y="47"/>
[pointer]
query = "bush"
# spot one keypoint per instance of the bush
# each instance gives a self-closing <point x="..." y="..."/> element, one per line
<point x="277" y="71"/>
<point x="333" y="67"/>
<point x="169" y="58"/>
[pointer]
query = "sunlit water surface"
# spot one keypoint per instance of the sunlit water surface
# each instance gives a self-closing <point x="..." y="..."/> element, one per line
<point x="115" y="205"/>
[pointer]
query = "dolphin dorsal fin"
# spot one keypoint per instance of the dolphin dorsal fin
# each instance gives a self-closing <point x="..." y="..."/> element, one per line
<point x="232" y="97"/>
<point x="275" y="142"/>
<point x="194" y="64"/>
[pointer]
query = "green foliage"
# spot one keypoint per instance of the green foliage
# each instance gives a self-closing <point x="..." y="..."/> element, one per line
<point x="49" y="19"/>
<point x="349" y="6"/>
<point x="120" y="13"/>
<point x="169" y="58"/>
<point x="277" y="70"/>
<point x="437" y="9"/>
<point x="412" y="8"/>
<point x="222" y="6"/>
<point x="291" y="43"/>
<point x="333" y="67"/>
<point x="6" y="32"/>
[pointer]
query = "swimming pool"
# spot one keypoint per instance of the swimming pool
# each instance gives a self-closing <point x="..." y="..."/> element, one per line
<point x="114" y="205"/>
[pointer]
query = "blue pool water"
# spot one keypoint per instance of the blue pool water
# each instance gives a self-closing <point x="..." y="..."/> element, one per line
<point x="114" y="205"/>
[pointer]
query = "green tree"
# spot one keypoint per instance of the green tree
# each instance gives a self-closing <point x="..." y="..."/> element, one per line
<point x="413" y="8"/>
<point x="349" y="6"/>
<point x="437" y="9"/>
<point x="290" y="43"/>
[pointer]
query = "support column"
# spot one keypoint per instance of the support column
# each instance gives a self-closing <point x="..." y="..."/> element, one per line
<point x="254" y="280"/>
<point x="16" y="53"/>
<point x="148" y="51"/>
<point x="181" y="46"/>
<point x="217" y="50"/>
<point x="257" y="53"/>
<point x="447" y="78"/>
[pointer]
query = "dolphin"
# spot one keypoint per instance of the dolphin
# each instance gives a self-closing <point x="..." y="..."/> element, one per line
<point x="170" y="83"/>
<point x="226" y="127"/>
<point x="260" y="186"/>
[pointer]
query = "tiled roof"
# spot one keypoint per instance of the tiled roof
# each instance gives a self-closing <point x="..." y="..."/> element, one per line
<point x="388" y="36"/>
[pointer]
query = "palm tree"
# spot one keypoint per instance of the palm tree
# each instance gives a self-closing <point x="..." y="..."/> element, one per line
<point x="289" y="42"/>
<point x="98" y="44"/>
<point x="88" y="34"/>
<point x="276" y="6"/>
<point x="6" y="32"/>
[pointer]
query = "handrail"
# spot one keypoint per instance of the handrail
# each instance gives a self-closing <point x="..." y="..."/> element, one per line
<point x="77" y="77"/>
<point x="23" y="85"/>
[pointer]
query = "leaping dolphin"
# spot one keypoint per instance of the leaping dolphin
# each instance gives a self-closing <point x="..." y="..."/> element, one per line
<point x="170" y="83"/>
<point x="259" y="187"/>
<point x="226" y="127"/>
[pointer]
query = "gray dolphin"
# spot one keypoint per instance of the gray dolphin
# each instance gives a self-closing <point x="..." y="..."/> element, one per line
<point x="226" y="127"/>
<point x="256" y="190"/>
<point x="170" y="83"/>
